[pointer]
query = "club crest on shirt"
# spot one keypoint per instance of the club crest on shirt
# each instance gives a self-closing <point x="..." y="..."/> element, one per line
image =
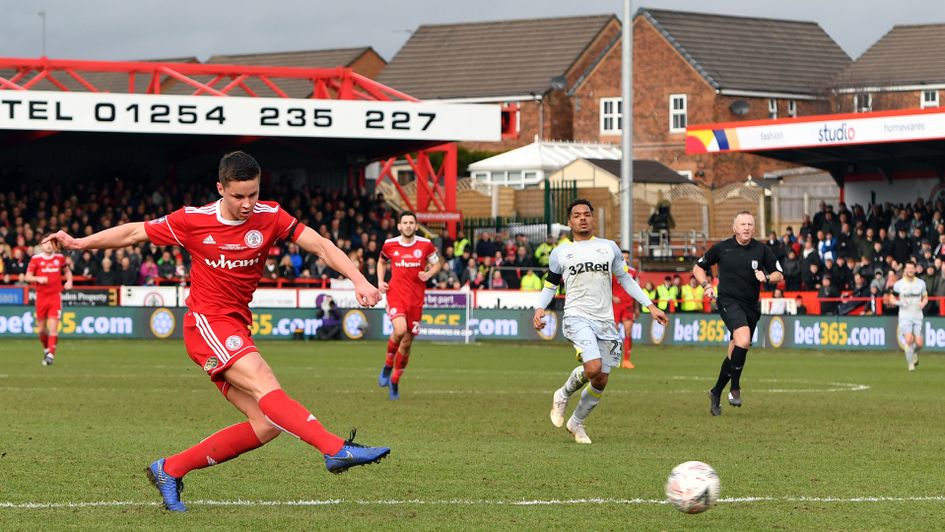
<point x="754" y="265"/>
<point x="417" y="253"/>
<point x="253" y="239"/>
<point x="212" y="362"/>
<point x="234" y="342"/>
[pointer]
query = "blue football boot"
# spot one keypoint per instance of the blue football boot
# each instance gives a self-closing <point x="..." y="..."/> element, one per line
<point x="353" y="454"/>
<point x="169" y="486"/>
<point x="383" y="379"/>
<point x="394" y="391"/>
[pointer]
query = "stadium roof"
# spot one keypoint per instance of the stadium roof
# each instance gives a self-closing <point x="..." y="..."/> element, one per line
<point x="907" y="55"/>
<point x="490" y="59"/>
<point x="753" y="54"/>
<point x="113" y="82"/>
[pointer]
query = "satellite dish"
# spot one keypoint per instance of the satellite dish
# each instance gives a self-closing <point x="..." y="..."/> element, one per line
<point x="739" y="107"/>
<point x="558" y="83"/>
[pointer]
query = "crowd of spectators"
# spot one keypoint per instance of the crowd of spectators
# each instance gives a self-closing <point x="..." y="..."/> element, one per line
<point x="838" y="252"/>
<point x="852" y="257"/>
<point x="355" y="221"/>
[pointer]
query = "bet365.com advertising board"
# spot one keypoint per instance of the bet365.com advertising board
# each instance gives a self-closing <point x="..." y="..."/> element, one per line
<point x="444" y="324"/>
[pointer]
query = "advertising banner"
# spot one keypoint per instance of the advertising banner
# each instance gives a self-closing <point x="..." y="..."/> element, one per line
<point x="149" y="296"/>
<point x="507" y="299"/>
<point x="273" y="298"/>
<point x="269" y="117"/>
<point x="452" y="325"/>
<point x="13" y="295"/>
<point x="84" y="297"/>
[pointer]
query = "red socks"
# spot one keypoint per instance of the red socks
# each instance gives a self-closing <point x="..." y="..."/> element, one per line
<point x="400" y="362"/>
<point x="218" y="448"/>
<point x="391" y="351"/>
<point x="44" y="339"/>
<point x="289" y="416"/>
<point x="51" y="344"/>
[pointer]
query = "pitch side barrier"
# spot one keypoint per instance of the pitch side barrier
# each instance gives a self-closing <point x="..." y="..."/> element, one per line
<point x="456" y="325"/>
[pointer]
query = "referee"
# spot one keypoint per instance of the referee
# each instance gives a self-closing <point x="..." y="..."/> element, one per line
<point x="744" y="263"/>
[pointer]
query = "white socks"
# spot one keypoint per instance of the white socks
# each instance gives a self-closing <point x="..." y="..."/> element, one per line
<point x="589" y="399"/>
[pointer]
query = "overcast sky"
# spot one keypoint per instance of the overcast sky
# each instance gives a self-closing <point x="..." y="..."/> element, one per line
<point x="151" y="29"/>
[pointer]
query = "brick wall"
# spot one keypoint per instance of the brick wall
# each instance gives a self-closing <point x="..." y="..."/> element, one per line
<point x="368" y="64"/>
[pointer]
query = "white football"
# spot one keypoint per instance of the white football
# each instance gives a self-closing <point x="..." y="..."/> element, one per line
<point x="693" y="487"/>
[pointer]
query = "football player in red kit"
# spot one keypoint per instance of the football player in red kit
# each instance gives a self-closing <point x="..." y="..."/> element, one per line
<point x="46" y="271"/>
<point x="625" y="312"/>
<point x="229" y="241"/>
<point x="413" y="262"/>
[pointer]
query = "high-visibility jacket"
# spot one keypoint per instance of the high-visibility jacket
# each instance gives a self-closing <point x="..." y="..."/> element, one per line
<point x="459" y="246"/>
<point x="665" y="294"/>
<point x="531" y="282"/>
<point x="650" y="294"/>
<point x="542" y="253"/>
<point x="692" y="298"/>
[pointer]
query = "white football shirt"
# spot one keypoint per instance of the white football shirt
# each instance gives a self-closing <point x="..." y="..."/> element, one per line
<point x="586" y="267"/>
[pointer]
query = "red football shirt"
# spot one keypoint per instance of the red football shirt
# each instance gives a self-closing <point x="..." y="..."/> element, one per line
<point x="227" y="256"/>
<point x="406" y="262"/>
<point x="625" y="299"/>
<point x="51" y="267"/>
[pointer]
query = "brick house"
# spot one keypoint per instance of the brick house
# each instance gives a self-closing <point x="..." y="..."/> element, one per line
<point x="563" y="75"/>
<point x="697" y="68"/>
<point x="905" y="69"/>
<point x="526" y="65"/>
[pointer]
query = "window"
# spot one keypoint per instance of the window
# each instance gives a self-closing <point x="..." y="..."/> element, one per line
<point x="863" y="102"/>
<point x="792" y="108"/>
<point x="677" y="113"/>
<point x="611" y="112"/>
<point x="772" y="108"/>
<point x="929" y="99"/>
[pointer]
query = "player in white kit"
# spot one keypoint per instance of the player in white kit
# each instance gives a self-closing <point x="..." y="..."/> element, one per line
<point x="911" y="296"/>
<point x="586" y="265"/>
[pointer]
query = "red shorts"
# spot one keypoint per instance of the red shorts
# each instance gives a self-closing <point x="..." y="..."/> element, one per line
<point x="623" y="312"/>
<point x="215" y="343"/>
<point x="410" y="312"/>
<point x="48" y="306"/>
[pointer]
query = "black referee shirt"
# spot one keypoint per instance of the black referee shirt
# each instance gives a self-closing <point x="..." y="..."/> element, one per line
<point x="737" y="265"/>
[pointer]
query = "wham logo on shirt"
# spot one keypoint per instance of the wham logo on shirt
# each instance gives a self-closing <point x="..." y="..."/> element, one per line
<point x="231" y="264"/>
<point x="404" y="263"/>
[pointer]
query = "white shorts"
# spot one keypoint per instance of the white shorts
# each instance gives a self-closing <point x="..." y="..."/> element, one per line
<point x="910" y="323"/>
<point x="594" y="340"/>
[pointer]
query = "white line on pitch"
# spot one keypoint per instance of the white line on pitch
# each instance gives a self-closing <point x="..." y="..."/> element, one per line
<point x="458" y="502"/>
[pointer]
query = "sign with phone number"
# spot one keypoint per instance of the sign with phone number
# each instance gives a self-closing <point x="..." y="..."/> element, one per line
<point x="273" y="117"/>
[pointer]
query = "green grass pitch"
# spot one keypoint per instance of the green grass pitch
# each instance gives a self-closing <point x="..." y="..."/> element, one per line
<point x="825" y="441"/>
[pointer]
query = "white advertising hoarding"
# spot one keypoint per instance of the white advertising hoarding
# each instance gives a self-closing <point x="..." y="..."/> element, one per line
<point x="271" y="117"/>
<point x="826" y="130"/>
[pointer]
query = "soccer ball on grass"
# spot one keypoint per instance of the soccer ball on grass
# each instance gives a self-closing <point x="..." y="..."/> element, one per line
<point x="693" y="487"/>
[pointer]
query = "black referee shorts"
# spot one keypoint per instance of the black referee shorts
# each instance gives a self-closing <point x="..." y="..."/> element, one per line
<point x="736" y="314"/>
